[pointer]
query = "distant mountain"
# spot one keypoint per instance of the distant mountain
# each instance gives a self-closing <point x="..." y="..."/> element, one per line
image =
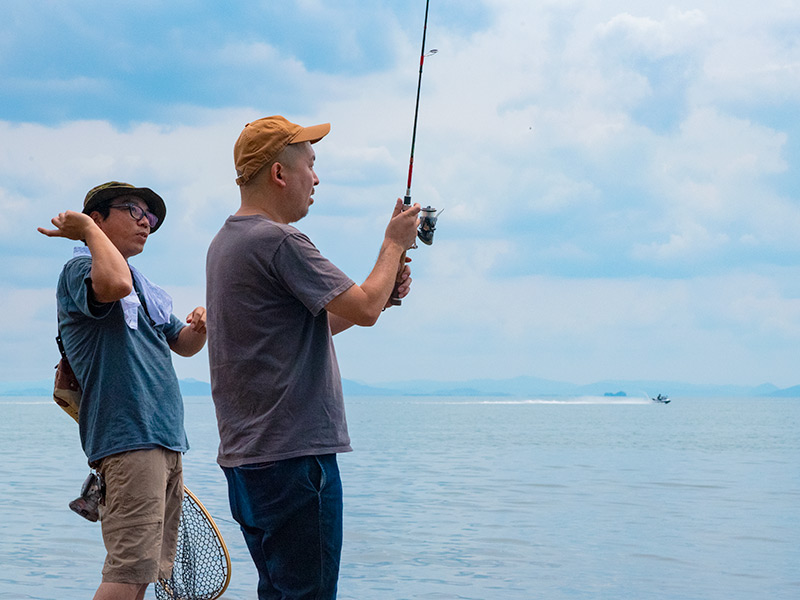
<point x="534" y="386"/>
<point x="352" y="388"/>
<point x="189" y="387"/>
<point x="193" y="387"/>
<point x="27" y="388"/>
<point x="674" y="388"/>
<point x="516" y="386"/>
<point x="792" y="392"/>
<point x="766" y="389"/>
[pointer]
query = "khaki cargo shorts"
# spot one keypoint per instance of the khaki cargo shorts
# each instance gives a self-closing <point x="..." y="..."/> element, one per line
<point x="144" y="492"/>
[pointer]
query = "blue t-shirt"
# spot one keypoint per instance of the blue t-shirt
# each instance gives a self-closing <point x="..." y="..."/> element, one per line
<point x="131" y="398"/>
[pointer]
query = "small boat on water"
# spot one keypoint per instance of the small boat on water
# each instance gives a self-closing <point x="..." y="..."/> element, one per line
<point x="661" y="399"/>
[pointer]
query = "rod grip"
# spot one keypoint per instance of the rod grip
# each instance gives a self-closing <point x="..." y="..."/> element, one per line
<point x="394" y="300"/>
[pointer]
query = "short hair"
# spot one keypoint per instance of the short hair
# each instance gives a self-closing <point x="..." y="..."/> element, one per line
<point x="290" y="153"/>
<point x="287" y="156"/>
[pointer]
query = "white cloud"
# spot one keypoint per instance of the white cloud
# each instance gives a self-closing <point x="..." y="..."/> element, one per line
<point x="585" y="330"/>
<point x="689" y="242"/>
<point x="678" y="31"/>
<point x="531" y="136"/>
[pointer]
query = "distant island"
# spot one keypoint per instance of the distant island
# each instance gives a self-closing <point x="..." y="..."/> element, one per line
<point x="615" y="394"/>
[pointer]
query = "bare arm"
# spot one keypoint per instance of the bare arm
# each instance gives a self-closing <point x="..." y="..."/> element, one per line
<point x="191" y="338"/>
<point x="111" y="276"/>
<point x="339" y="324"/>
<point x="362" y="304"/>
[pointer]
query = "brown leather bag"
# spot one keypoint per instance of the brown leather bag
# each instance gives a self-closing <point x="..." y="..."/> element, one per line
<point x="66" y="390"/>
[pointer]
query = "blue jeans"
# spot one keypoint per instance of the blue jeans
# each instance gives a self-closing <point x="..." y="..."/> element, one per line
<point x="290" y="512"/>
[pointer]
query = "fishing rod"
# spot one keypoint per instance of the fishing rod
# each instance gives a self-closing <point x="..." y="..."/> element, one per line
<point x="427" y="215"/>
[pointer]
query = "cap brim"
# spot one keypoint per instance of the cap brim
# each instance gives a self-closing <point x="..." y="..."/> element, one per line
<point x="312" y="134"/>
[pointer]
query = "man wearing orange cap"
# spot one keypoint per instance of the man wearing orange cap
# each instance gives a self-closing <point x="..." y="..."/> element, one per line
<point x="274" y="303"/>
<point x="118" y="332"/>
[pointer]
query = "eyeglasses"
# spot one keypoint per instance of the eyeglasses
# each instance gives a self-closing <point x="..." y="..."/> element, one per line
<point x="137" y="212"/>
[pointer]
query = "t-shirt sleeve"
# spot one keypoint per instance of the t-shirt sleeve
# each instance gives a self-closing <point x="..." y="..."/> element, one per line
<point x="311" y="277"/>
<point x="173" y="328"/>
<point x="77" y="284"/>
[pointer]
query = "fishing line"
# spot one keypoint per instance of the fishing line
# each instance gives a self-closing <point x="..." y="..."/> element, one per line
<point x="427" y="215"/>
<point x="422" y="55"/>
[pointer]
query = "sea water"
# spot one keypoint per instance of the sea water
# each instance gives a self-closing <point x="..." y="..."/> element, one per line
<point x="477" y="498"/>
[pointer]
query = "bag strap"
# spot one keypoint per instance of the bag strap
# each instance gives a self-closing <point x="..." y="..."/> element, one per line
<point x="60" y="344"/>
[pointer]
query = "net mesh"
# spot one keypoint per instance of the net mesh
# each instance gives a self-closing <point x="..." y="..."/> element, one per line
<point x="201" y="562"/>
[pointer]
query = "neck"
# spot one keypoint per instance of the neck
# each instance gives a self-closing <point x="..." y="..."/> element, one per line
<point x="256" y="202"/>
<point x="248" y="211"/>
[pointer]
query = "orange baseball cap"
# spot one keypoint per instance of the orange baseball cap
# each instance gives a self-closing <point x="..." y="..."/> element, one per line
<point x="262" y="140"/>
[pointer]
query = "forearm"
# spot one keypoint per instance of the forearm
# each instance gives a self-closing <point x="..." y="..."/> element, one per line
<point x="338" y="324"/>
<point x="362" y="304"/>
<point x="188" y="343"/>
<point x="380" y="282"/>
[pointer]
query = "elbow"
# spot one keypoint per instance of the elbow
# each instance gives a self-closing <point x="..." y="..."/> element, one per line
<point x="367" y="318"/>
<point x="356" y="307"/>
<point x="188" y="343"/>
<point x="187" y="352"/>
<point x="112" y="291"/>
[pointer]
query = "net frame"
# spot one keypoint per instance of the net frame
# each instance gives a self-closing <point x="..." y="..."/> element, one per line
<point x="202" y="568"/>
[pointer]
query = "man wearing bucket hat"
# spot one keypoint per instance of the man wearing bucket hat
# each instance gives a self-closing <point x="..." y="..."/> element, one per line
<point x="117" y="330"/>
<point x="274" y="303"/>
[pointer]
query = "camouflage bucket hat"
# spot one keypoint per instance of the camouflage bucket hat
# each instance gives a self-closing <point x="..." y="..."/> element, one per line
<point x="101" y="194"/>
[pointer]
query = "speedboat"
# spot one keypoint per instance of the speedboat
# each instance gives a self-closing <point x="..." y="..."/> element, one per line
<point x="661" y="399"/>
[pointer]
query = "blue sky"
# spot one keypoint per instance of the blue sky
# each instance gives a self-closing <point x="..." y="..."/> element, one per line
<point x="620" y="179"/>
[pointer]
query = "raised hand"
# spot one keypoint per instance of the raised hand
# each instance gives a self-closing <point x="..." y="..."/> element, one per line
<point x="70" y="224"/>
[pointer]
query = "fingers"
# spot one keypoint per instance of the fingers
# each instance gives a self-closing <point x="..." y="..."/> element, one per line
<point x="404" y="288"/>
<point x="57" y="222"/>
<point x="69" y="224"/>
<point x="197" y="320"/>
<point x="49" y="232"/>
<point x="403" y="285"/>
<point x="402" y="227"/>
<point x="405" y="273"/>
<point x="398" y="207"/>
<point x="411" y="210"/>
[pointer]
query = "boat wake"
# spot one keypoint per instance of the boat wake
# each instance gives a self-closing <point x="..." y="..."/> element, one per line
<point x="562" y="400"/>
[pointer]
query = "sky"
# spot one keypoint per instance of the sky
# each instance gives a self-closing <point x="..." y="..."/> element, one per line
<point x="619" y="180"/>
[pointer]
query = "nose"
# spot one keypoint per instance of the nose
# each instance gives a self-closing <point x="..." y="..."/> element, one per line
<point x="143" y="221"/>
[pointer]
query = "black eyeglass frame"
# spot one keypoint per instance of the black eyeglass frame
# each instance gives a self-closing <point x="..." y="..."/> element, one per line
<point x="137" y="212"/>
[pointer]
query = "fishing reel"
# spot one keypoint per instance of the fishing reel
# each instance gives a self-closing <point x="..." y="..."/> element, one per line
<point x="427" y="225"/>
<point x="427" y="222"/>
<point x="93" y="493"/>
<point x="425" y="230"/>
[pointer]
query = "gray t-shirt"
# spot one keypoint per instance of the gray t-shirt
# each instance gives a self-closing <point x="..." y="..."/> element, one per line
<point x="274" y="375"/>
<point x="131" y="399"/>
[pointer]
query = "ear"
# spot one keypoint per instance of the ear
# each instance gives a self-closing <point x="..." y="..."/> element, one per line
<point x="277" y="174"/>
<point x="97" y="218"/>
